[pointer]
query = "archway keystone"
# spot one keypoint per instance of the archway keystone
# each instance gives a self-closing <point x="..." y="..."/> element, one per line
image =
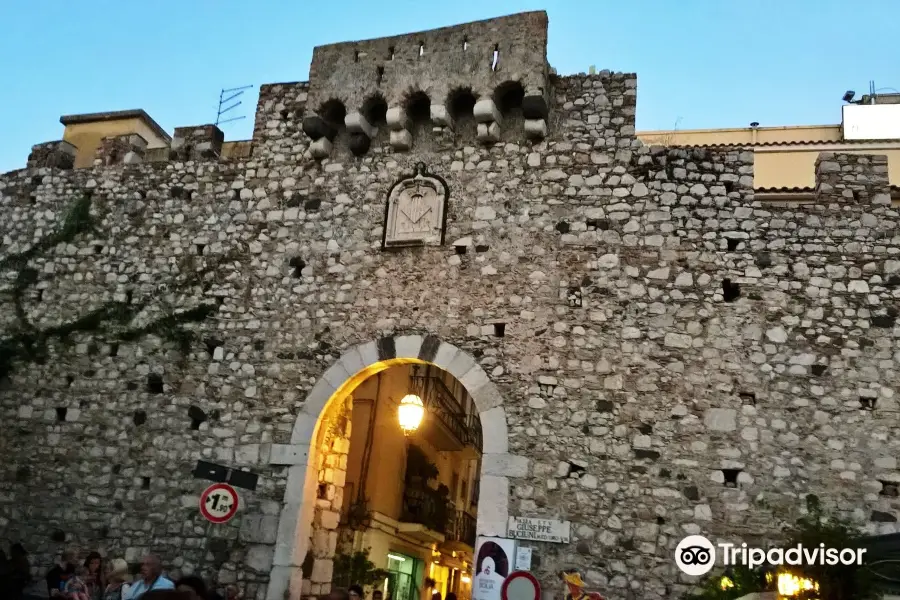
<point x="354" y="366"/>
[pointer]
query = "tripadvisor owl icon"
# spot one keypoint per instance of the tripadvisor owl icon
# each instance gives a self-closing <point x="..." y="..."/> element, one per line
<point x="695" y="555"/>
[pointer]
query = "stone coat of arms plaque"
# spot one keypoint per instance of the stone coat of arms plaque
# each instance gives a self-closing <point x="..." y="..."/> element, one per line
<point x="416" y="210"/>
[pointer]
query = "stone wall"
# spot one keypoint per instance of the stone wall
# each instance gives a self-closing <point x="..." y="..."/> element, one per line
<point x="331" y="467"/>
<point x="673" y="357"/>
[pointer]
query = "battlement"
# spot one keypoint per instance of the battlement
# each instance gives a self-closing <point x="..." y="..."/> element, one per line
<point x="857" y="178"/>
<point x="430" y="79"/>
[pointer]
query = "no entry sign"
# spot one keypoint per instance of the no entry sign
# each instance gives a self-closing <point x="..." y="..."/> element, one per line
<point x="218" y="503"/>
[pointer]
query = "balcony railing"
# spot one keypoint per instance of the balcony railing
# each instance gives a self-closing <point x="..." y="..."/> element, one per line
<point x="426" y="506"/>
<point x="462" y="528"/>
<point x="441" y="403"/>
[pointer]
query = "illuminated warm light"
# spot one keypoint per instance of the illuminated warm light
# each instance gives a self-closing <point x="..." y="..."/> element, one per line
<point x="397" y="558"/>
<point x="466" y="579"/>
<point x="410" y="413"/>
<point x="726" y="583"/>
<point x="791" y="585"/>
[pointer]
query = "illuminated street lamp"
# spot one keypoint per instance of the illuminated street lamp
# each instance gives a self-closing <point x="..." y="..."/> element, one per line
<point x="410" y="413"/>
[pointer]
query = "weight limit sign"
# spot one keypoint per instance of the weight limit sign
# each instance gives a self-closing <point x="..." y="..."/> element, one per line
<point x="218" y="503"/>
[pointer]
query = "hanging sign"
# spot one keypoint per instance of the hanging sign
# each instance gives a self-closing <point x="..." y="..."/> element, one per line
<point x="539" y="530"/>
<point x="493" y="562"/>
<point x="219" y="503"/>
<point x="523" y="558"/>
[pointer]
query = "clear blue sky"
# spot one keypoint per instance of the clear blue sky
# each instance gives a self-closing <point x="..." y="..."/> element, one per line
<point x="700" y="63"/>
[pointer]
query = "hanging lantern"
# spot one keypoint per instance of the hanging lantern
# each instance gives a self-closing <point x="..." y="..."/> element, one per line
<point x="410" y="413"/>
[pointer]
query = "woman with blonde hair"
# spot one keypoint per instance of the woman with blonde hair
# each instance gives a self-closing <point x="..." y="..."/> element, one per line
<point x="117" y="579"/>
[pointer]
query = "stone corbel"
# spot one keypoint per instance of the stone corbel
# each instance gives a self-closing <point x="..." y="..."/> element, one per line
<point x="361" y="133"/>
<point x="321" y="148"/>
<point x="356" y="123"/>
<point x="440" y="116"/>
<point x="399" y="124"/>
<point x="321" y="133"/>
<point x="316" y="127"/>
<point x="535" y="111"/>
<point x="488" y="117"/>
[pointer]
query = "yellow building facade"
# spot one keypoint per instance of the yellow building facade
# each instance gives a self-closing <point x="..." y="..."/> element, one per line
<point x="86" y="130"/>
<point x="784" y="157"/>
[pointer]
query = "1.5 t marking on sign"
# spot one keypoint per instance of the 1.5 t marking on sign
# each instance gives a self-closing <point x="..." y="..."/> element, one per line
<point x="218" y="503"/>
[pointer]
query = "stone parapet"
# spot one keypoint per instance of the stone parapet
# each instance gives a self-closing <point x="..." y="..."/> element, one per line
<point x="200" y="142"/>
<point x="59" y="154"/>
<point x="858" y="178"/>
<point x="117" y="149"/>
<point x="419" y="77"/>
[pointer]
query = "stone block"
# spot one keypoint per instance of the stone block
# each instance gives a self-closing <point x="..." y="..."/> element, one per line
<point x="486" y="111"/>
<point x="321" y="148"/>
<point x="329" y="519"/>
<point x="721" y="419"/>
<point x="259" y="558"/>
<point x="488" y="133"/>
<point x="440" y="116"/>
<point x="322" y="570"/>
<point x="397" y="119"/>
<point x="507" y="465"/>
<point x="199" y="142"/>
<point x="114" y="149"/>
<point x="57" y="155"/>
<point x="401" y="140"/>
<point x="535" y="129"/>
<point x="258" y="529"/>
<point x="289" y="454"/>
<point x="357" y="123"/>
<point x="248" y="454"/>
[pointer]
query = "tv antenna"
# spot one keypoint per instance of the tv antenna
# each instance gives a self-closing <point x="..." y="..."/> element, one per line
<point x="235" y="93"/>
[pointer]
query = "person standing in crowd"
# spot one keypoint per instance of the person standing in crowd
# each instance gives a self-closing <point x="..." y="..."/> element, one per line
<point x="19" y="573"/>
<point x="117" y="579"/>
<point x="94" y="579"/>
<point x="60" y="574"/>
<point x="356" y="592"/>
<point x="194" y="586"/>
<point x="151" y="579"/>
<point x="165" y="595"/>
<point x="76" y="587"/>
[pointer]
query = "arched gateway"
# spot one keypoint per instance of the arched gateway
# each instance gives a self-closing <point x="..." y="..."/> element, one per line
<point x="354" y="366"/>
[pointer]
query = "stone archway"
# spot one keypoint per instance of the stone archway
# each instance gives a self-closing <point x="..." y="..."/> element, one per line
<point x="354" y="366"/>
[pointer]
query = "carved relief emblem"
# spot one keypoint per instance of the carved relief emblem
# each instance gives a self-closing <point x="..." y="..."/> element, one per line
<point x="416" y="210"/>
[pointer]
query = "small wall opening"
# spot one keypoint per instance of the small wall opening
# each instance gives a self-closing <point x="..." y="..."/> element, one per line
<point x="867" y="403"/>
<point x="508" y="98"/>
<point x="421" y="49"/>
<point x="379" y="74"/>
<point x="461" y="104"/>
<point x="730" y="290"/>
<point x="391" y="53"/>
<point x="333" y="112"/>
<point x="731" y="477"/>
<point x="418" y="108"/>
<point x="890" y="489"/>
<point x="375" y="110"/>
<point x="465" y="43"/>
<point x="495" y="58"/>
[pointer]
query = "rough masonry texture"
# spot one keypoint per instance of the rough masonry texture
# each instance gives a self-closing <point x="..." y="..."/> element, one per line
<point x="654" y="353"/>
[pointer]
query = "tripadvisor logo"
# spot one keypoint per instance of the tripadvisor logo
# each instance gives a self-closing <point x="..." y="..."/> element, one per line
<point x="695" y="555"/>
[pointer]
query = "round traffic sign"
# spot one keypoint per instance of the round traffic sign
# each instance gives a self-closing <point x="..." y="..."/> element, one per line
<point x="218" y="503"/>
<point x="521" y="585"/>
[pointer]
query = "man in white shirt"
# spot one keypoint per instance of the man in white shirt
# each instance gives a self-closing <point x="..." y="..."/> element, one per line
<point x="151" y="579"/>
